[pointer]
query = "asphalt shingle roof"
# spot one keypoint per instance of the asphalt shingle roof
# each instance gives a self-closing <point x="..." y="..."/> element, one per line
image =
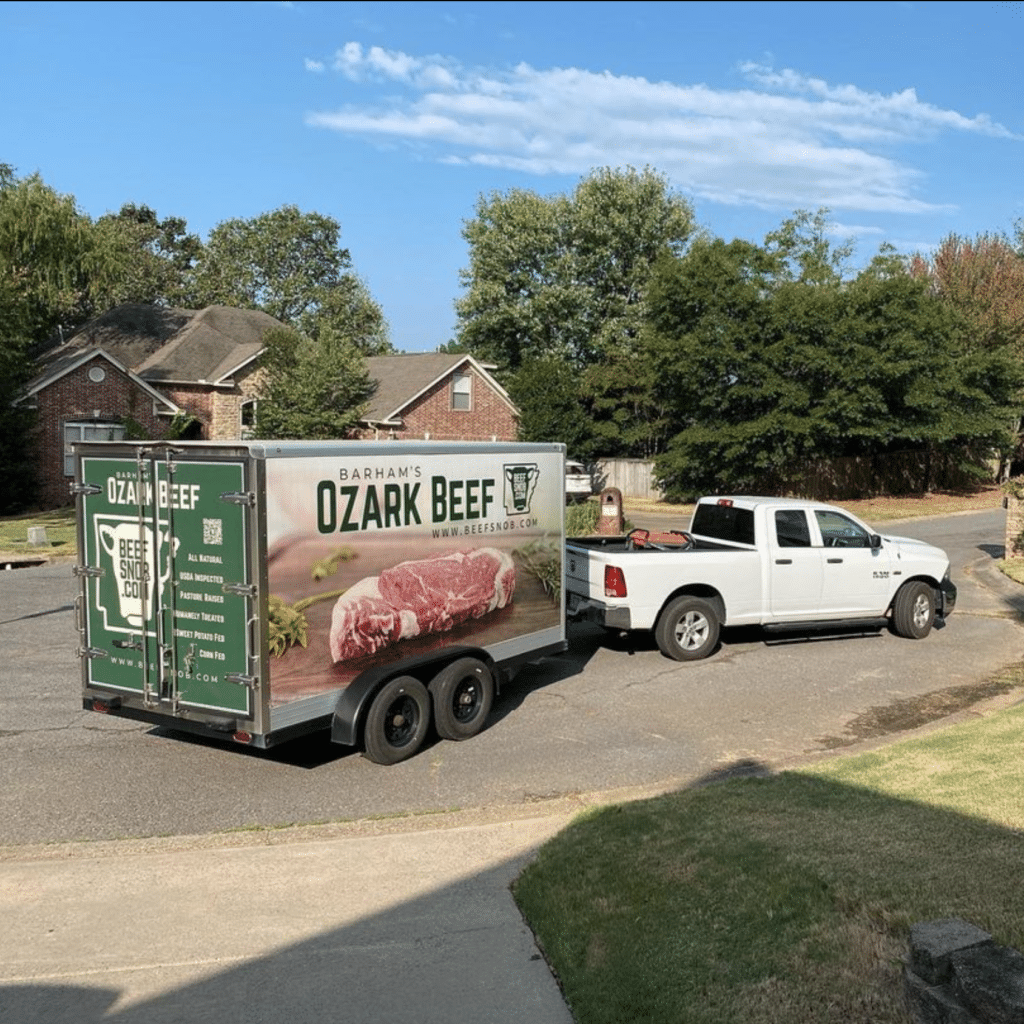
<point x="164" y="344"/>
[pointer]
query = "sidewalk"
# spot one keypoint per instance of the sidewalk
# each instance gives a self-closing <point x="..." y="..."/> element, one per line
<point x="358" y="923"/>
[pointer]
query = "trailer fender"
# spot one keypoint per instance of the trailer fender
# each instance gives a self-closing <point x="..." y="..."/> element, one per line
<point x="351" y="709"/>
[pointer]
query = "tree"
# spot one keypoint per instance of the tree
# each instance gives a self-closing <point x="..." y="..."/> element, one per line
<point x="16" y="469"/>
<point x="152" y="260"/>
<point x="547" y="393"/>
<point x="311" y="390"/>
<point x="764" y="371"/>
<point x="347" y="312"/>
<point x="290" y="265"/>
<point x="983" y="278"/>
<point x="47" y="256"/>
<point x="803" y="252"/>
<point x="564" y="278"/>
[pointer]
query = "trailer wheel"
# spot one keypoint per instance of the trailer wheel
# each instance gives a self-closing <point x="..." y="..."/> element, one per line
<point x="398" y="720"/>
<point x="462" y="693"/>
<point x="913" y="611"/>
<point x="687" y="629"/>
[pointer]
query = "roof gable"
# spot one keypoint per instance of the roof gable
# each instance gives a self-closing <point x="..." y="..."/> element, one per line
<point x="73" y="360"/>
<point x="402" y="379"/>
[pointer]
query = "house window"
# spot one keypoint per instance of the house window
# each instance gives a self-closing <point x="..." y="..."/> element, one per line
<point x="248" y="420"/>
<point x="92" y="430"/>
<point x="462" y="391"/>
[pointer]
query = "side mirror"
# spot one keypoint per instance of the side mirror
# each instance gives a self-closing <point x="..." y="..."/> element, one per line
<point x="876" y="540"/>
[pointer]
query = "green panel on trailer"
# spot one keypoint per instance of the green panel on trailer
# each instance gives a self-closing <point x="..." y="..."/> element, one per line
<point x="168" y="524"/>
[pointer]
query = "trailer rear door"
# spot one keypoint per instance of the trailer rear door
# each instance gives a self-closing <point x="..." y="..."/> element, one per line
<point x="169" y="607"/>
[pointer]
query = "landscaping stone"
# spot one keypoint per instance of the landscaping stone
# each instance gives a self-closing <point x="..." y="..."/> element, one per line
<point x="956" y="974"/>
<point x="933" y="942"/>
<point x="990" y="981"/>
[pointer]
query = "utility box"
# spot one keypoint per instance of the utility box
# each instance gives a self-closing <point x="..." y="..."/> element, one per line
<point x="258" y="591"/>
<point x="611" y="520"/>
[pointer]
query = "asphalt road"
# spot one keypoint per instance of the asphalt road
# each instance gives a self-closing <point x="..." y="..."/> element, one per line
<point x="608" y="715"/>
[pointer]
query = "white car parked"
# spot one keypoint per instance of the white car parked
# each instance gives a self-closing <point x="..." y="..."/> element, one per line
<point x="577" y="482"/>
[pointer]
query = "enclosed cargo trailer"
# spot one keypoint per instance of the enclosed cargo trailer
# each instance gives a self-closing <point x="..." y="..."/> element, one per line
<point x="257" y="591"/>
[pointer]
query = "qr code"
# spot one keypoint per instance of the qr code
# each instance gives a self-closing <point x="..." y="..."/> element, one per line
<point x="213" y="531"/>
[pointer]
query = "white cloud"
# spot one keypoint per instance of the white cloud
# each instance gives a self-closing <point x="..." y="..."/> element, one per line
<point x="837" y="230"/>
<point x="786" y="141"/>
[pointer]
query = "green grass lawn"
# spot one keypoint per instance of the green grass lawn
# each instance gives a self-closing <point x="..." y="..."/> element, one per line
<point x="785" y="898"/>
<point x="60" y="534"/>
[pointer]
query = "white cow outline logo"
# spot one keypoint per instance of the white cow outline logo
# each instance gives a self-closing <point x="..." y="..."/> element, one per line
<point x="134" y="571"/>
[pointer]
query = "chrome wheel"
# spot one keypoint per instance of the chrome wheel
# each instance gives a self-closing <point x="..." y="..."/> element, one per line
<point x="922" y="612"/>
<point x="692" y="631"/>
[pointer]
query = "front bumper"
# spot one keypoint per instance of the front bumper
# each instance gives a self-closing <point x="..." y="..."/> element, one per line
<point x="947" y="595"/>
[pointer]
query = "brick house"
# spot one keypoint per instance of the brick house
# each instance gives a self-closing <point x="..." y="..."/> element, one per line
<point x="137" y="370"/>
<point x="133" y="371"/>
<point x="437" y="396"/>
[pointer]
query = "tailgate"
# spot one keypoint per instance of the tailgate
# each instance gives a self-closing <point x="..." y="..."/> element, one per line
<point x="579" y="564"/>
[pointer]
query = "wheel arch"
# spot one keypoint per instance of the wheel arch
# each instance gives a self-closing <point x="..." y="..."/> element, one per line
<point x="353" y="704"/>
<point x="921" y="577"/>
<point x="701" y="590"/>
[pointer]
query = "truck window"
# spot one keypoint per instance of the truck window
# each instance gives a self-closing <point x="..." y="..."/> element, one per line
<point x="724" y="522"/>
<point x="791" y="529"/>
<point x="839" y="532"/>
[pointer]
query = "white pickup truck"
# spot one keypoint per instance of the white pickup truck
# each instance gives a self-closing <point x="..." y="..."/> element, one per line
<point x="778" y="563"/>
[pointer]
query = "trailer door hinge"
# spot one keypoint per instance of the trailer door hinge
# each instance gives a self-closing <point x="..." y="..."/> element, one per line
<point x="239" y="497"/>
<point x="87" y="570"/>
<point x="242" y="679"/>
<point x="83" y="488"/>
<point x="92" y="652"/>
<point x="245" y="589"/>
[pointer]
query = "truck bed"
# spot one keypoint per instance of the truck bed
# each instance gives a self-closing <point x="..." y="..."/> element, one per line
<point x="617" y="543"/>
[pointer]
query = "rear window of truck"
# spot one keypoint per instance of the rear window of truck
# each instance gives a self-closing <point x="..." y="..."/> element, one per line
<point x="724" y="522"/>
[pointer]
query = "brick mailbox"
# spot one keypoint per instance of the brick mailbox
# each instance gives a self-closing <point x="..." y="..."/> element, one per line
<point x="610" y="520"/>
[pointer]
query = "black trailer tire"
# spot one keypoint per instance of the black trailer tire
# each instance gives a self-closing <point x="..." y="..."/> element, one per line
<point x="913" y="610"/>
<point x="463" y="693"/>
<point x="398" y="721"/>
<point x="687" y="629"/>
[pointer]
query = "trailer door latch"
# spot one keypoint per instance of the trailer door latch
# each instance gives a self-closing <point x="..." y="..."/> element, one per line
<point x="84" y="488"/>
<point x="239" y="498"/>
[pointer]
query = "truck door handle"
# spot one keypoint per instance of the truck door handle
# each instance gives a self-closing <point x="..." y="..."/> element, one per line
<point x="783" y="561"/>
<point x="835" y="561"/>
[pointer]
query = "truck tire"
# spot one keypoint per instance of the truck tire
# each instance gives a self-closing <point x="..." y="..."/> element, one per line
<point x="397" y="722"/>
<point x="913" y="610"/>
<point x="462" y="694"/>
<point x="687" y="629"/>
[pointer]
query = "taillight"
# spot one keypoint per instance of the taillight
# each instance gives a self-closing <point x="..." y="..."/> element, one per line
<point x="614" y="582"/>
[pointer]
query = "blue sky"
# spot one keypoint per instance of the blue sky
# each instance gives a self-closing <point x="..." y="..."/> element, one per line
<point x="906" y="120"/>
